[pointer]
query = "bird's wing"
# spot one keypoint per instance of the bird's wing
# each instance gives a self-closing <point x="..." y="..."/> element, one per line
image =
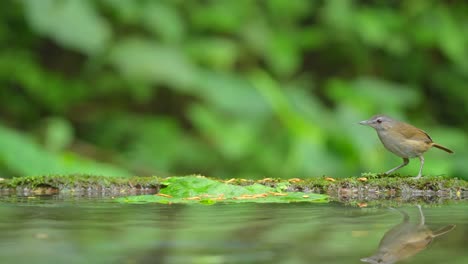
<point x="411" y="132"/>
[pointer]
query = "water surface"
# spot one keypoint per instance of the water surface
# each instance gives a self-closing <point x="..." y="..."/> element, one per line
<point x="48" y="230"/>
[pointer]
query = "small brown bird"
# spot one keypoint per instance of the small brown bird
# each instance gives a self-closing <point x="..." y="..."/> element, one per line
<point x="403" y="139"/>
<point x="405" y="240"/>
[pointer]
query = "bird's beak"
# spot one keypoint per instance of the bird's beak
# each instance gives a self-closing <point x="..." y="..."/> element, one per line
<point x="366" y="259"/>
<point x="365" y="122"/>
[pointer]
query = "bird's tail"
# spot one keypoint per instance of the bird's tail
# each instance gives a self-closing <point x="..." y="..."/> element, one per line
<point x="443" y="230"/>
<point x="442" y="147"/>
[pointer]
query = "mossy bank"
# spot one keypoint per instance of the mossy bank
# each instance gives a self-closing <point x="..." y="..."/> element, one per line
<point x="368" y="187"/>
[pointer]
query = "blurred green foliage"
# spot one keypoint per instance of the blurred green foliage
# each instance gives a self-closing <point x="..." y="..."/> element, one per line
<point x="228" y="88"/>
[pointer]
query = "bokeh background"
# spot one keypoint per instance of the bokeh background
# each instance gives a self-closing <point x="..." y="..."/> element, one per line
<point x="228" y="88"/>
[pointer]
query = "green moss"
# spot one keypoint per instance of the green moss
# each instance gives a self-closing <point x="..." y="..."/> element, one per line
<point x="365" y="188"/>
<point x="64" y="183"/>
<point x="382" y="183"/>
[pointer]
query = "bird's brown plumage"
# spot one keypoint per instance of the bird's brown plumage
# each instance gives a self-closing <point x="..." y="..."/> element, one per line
<point x="402" y="139"/>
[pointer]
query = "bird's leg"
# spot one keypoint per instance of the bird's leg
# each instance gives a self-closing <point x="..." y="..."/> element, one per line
<point x="405" y="162"/>
<point x="421" y="158"/>
<point x="422" y="218"/>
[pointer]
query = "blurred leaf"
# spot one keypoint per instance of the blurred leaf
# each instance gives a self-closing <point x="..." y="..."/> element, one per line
<point x="290" y="10"/>
<point x="140" y="60"/>
<point x="232" y="94"/>
<point x="58" y="134"/>
<point x="270" y="89"/>
<point x="40" y="87"/>
<point x="451" y="38"/>
<point x="219" y="53"/>
<point x="220" y="16"/>
<point x="153" y="145"/>
<point x="20" y="154"/>
<point x="160" y="144"/>
<point x="283" y="54"/>
<point x="311" y="38"/>
<point x="338" y="13"/>
<point x="373" y="95"/>
<point x="72" y="23"/>
<point x="125" y="11"/>
<point x="233" y="138"/>
<point x="164" y="20"/>
<point x="380" y="27"/>
<point x="422" y="33"/>
<point x="257" y="36"/>
<point x="371" y="27"/>
<point x="448" y="86"/>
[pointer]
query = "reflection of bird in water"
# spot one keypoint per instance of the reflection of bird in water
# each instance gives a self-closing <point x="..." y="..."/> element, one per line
<point x="405" y="240"/>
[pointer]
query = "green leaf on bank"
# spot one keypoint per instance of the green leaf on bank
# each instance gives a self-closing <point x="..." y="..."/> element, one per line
<point x="201" y="190"/>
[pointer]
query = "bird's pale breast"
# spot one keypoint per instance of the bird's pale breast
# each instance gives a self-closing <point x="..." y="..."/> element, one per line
<point x="402" y="146"/>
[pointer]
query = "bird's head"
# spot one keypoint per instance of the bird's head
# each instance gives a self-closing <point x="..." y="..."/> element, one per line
<point x="379" y="122"/>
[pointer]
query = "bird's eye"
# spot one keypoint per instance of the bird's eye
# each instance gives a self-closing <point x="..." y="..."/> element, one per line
<point x="379" y="120"/>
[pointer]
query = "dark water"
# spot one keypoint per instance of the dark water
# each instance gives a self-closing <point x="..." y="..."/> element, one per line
<point x="101" y="231"/>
